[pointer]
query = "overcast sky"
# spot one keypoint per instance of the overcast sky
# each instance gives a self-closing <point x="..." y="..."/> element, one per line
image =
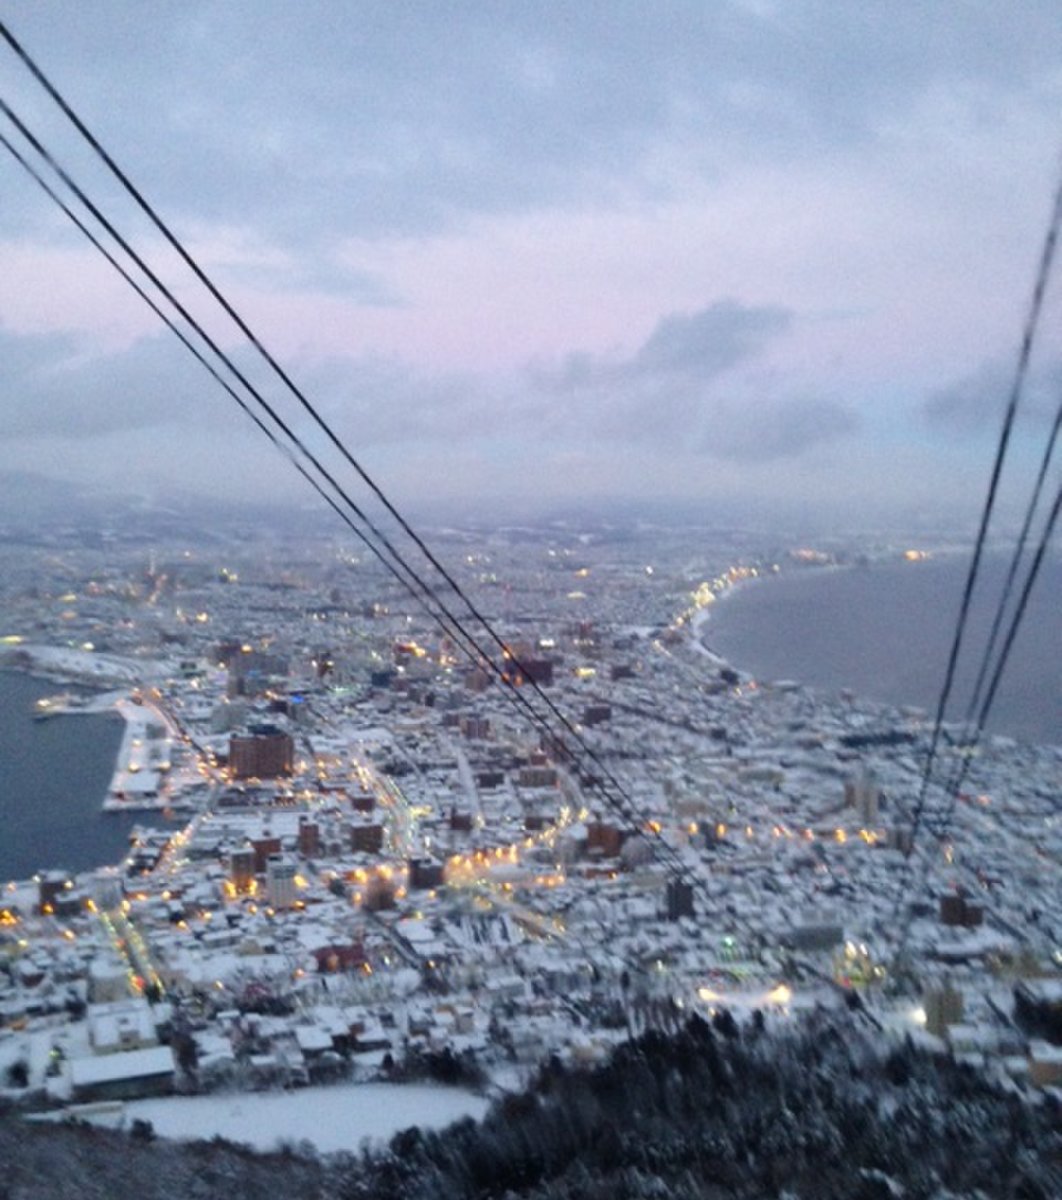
<point x="585" y="249"/>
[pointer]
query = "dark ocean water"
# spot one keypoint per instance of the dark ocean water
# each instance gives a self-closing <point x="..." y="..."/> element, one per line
<point x="54" y="775"/>
<point x="885" y="631"/>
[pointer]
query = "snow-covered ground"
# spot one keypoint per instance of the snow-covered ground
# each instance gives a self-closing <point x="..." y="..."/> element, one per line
<point x="332" y="1118"/>
<point x="82" y="665"/>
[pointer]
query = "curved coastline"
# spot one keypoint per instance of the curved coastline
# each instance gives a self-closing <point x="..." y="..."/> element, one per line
<point x="703" y="617"/>
<point x="890" y="648"/>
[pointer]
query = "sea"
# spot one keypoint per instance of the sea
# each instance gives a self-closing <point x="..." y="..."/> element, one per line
<point x="884" y="631"/>
<point x="54" y="775"/>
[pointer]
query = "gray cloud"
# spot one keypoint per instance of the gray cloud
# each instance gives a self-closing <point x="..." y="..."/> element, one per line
<point x="770" y="428"/>
<point x="679" y="389"/>
<point x="661" y="394"/>
<point x="977" y="402"/>
<point x="53" y="387"/>
<point x="694" y="346"/>
<point x="686" y="385"/>
<point x="379" y="401"/>
<point x="654" y="393"/>
<point x="328" y="120"/>
<point x="711" y="341"/>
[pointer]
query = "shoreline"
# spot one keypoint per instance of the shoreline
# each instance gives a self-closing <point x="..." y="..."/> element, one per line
<point x="83" y="668"/>
<point x="135" y="770"/>
<point x="130" y="756"/>
<point x="142" y="762"/>
<point x="853" y="689"/>
<point x="135" y="746"/>
<point x="702" y="615"/>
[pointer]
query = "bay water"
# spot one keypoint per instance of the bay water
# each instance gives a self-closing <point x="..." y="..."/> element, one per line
<point x="884" y="631"/>
<point x="54" y="775"/>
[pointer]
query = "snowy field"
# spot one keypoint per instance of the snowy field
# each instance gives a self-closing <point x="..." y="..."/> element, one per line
<point x="332" y="1118"/>
<point x="81" y="664"/>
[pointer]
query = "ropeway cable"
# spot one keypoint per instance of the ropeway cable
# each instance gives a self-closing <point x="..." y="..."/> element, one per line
<point x="972" y="726"/>
<point x="1017" y="386"/>
<point x="990" y="695"/>
<point x="147" y="208"/>
<point x="997" y="674"/>
<point x="200" y="274"/>
<point x="460" y="634"/>
<point x="1029" y="332"/>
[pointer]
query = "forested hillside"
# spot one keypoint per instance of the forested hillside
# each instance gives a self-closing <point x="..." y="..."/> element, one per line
<point x="819" y="1113"/>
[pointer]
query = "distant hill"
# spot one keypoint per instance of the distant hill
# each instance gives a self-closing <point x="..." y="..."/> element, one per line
<point x="37" y="508"/>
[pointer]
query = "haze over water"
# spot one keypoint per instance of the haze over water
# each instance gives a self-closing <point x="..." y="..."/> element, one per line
<point x="884" y="631"/>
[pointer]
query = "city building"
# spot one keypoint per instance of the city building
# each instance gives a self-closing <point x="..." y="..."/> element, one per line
<point x="281" y="889"/>
<point x="264" y="753"/>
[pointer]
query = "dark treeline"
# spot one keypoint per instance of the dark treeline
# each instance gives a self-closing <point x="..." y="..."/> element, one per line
<point x="818" y="1113"/>
<point x="717" y="1112"/>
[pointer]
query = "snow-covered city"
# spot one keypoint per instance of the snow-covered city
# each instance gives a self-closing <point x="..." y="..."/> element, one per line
<point x="529" y="626"/>
<point x="379" y="862"/>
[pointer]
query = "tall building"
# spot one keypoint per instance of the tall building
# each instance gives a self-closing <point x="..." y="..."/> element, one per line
<point x="425" y="873"/>
<point x="280" y="882"/>
<point x="679" y="899"/>
<point x="537" y="777"/>
<point x="107" y="889"/>
<point x="943" y="1006"/>
<point x="379" y="894"/>
<point x="50" y="886"/>
<point x="264" y="848"/>
<point x="603" y="839"/>
<point x="366" y="836"/>
<point x="242" y="868"/>
<point x="956" y="909"/>
<point x="475" y="727"/>
<point x="309" y="838"/>
<point x="250" y="670"/>
<point x="863" y="793"/>
<point x="362" y="801"/>
<point x="264" y="753"/>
